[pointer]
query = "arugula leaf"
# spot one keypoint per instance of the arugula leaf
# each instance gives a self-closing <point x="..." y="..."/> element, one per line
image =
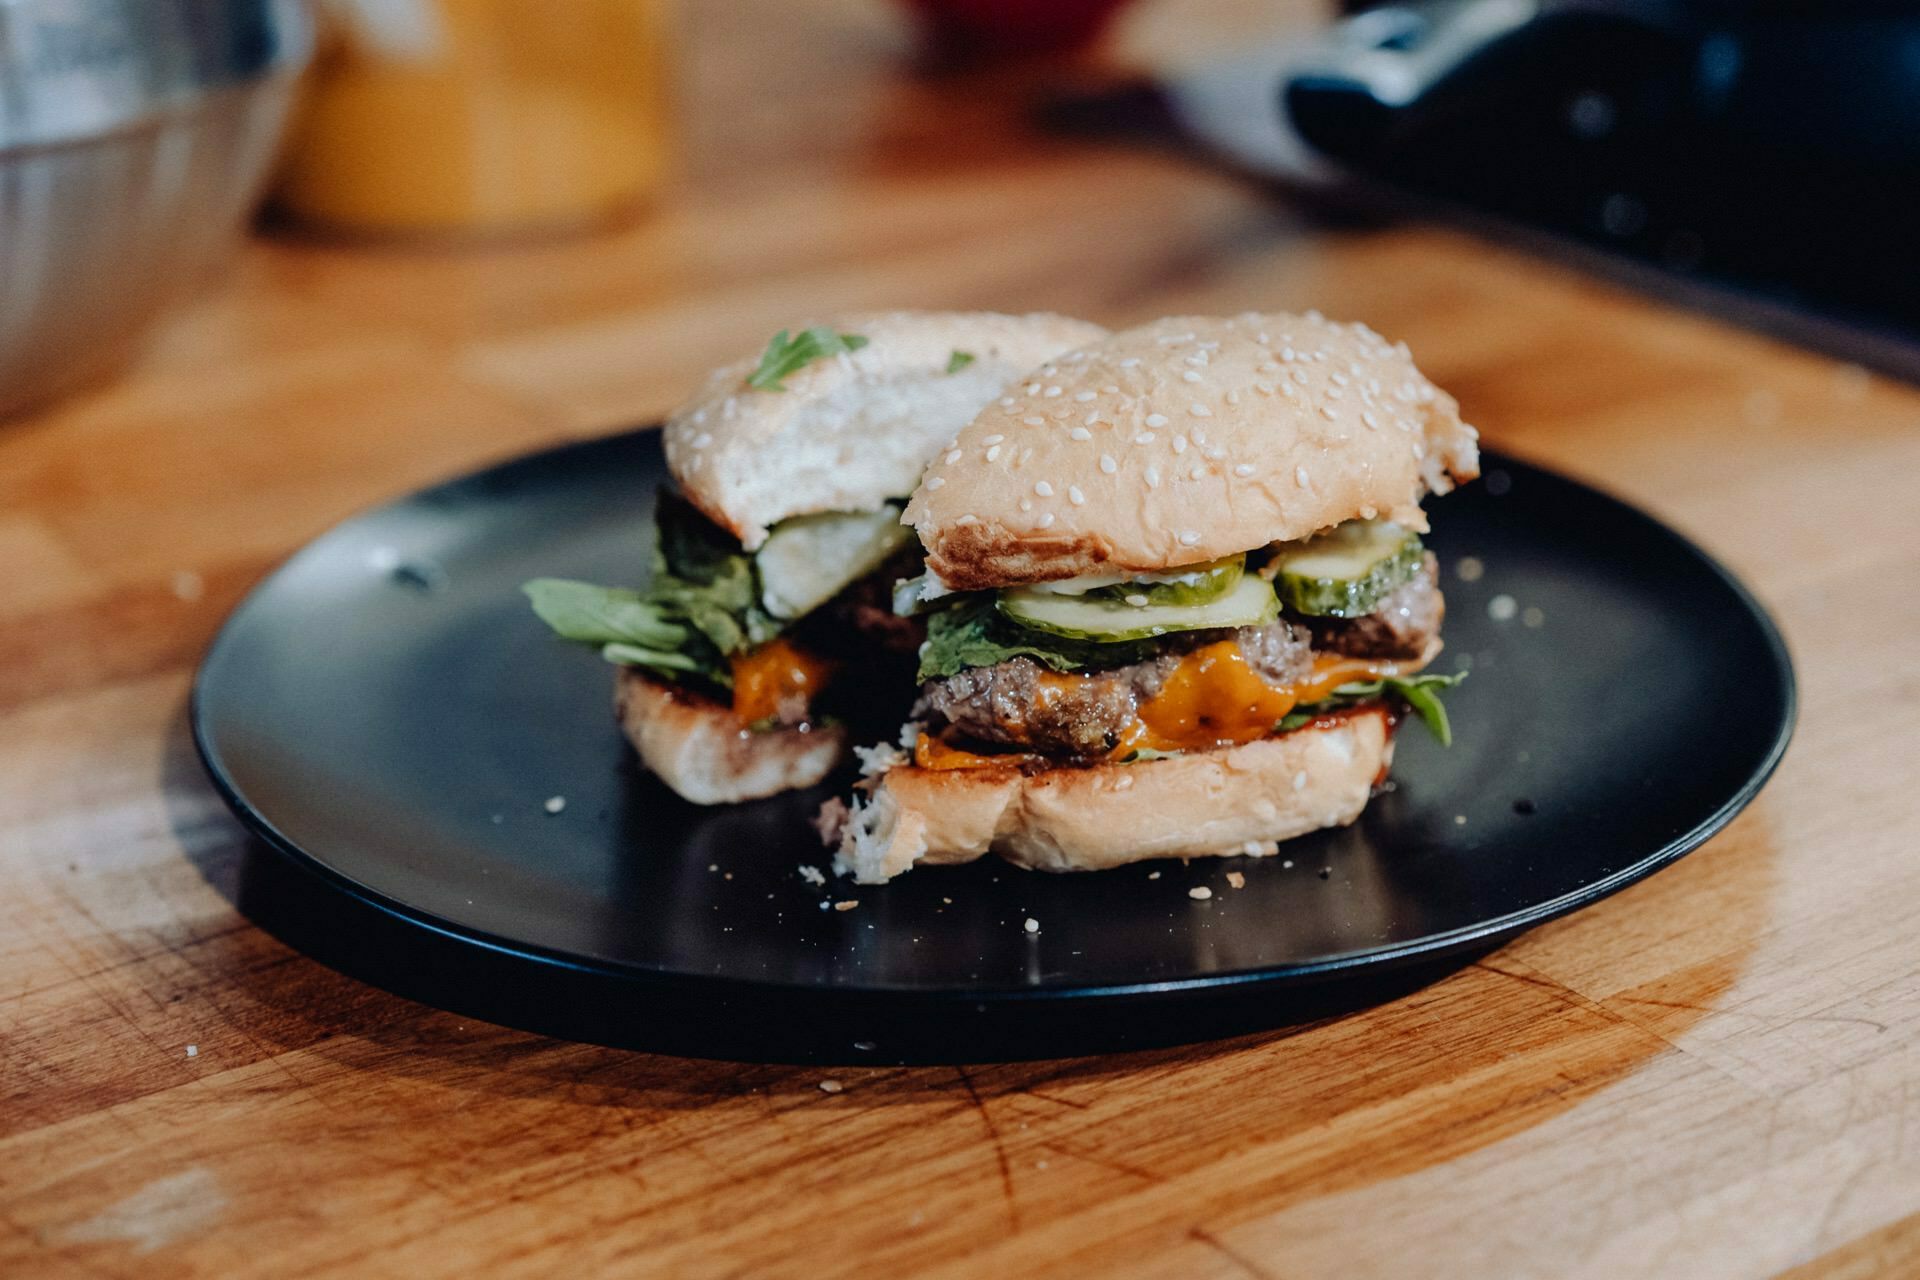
<point x="690" y="545"/>
<point x="725" y="609"/>
<point x="785" y="356"/>
<point x="664" y="661"/>
<point x="701" y="575"/>
<point x="702" y="606"/>
<point x="1427" y="705"/>
<point x="959" y="360"/>
<point x="602" y="615"/>
<point x="972" y="633"/>
<point x="1421" y="693"/>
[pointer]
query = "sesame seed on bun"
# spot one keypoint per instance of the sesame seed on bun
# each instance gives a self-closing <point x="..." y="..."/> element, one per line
<point x="1185" y="440"/>
<point x="851" y="430"/>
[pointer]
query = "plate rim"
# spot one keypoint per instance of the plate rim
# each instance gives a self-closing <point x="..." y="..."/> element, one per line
<point x="1387" y="956"/>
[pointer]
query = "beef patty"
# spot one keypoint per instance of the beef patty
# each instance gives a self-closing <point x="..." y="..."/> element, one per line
<point x="1015" y="703"/>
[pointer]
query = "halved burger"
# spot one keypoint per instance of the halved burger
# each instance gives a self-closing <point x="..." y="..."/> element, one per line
<point x="765" y="624"/>
<point x="1176" y="602"/>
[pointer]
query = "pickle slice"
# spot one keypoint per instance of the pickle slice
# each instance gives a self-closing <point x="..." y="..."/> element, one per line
<point x="807" y="560"/>
<point x="1346" y="571"/>
<point x="1198" y="584"/>
<point x="1190" y="584"/>
<point x="1250" y="603"/>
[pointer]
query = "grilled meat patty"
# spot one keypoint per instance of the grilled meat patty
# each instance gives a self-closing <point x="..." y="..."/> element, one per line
<point x="1019" y="703"/>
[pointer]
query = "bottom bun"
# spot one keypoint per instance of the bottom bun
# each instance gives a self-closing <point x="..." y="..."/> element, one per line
<point x="1234" y="800"/>
<point x="702" y="750"/>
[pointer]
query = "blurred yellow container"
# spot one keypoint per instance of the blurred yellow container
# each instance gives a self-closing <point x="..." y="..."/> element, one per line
<point x="465" y="118"/>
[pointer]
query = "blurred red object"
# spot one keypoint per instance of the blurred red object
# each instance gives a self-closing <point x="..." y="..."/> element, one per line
<point x="1006" y="28"/>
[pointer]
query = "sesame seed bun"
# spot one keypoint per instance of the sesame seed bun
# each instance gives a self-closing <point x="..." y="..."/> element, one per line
<point x="851" y="431"/>
<point x="702" y="750"/>
<point x="1235" y="800"/>
<point x="1185" y="440"/>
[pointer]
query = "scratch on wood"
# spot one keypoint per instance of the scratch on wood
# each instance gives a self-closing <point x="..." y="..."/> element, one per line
<point x="1220" y="1246"/>
<point x="1057" y="1100"/>
<point x="1786" y="1021"/>
<point x="999" y="1148"/>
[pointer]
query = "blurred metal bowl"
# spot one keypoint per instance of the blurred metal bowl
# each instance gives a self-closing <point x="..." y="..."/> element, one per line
<point x="135" y="137"/>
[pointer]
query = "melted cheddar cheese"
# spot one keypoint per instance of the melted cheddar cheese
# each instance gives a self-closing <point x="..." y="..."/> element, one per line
<point x="1213" y="698"/>
<point x="776" y="670"/>
<point x="930" y="752"/>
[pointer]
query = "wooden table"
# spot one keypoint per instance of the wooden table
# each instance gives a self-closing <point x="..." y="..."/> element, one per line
<point x="1716" y="1073"/>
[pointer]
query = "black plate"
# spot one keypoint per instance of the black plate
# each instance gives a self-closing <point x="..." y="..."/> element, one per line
<point x="386" y="711"/>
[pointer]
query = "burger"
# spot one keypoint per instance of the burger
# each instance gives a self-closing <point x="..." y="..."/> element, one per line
<point x="1176" y="602"/>
<point x="765" y="627"/>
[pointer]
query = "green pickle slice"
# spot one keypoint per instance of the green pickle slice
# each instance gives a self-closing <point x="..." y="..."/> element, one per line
<point x="1347" y="571"/>
<point x="1098" y="616"/>
<point x="1197" y="584"/>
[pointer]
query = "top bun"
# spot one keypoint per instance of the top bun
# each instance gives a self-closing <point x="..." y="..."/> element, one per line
<point x="854" y="430"/>
<point x="1185" y="440"/>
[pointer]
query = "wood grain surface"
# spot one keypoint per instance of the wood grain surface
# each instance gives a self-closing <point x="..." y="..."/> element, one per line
<point x="1716" y="1073"/>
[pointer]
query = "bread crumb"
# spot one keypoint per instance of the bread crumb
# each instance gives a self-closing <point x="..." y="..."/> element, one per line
<point x="1236" y="879"/>
<point x="879" y="758"/>
<point x="193" y="1051"/>
<point x="831" y="1086"/>
<point x="846" y="904"/>
<point x="812" y="874"/>
<point x="1153" y="875"/>
<point x="556" y="803"/>
<point x="1470" y="568"/>
<point x="1032" y="925"/>
<point x="1200" y="893"/>
<point x="1502" y="607"/>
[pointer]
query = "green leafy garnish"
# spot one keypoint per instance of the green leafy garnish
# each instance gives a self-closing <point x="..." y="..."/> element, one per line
<point x="630" y="629"/>
<point x="628" y="655"/>
<point x="959" y="360"/>
<point x="1421" y="693"/>
<point x="702" y="606"/>
<point x="788" y="355"/>
<point x="972" y="633"/>
<point x="701" y="575"/>
<point x="602" y="615"/>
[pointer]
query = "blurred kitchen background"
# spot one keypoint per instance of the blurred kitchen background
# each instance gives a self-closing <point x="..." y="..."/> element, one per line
<point x="184" y="180"/>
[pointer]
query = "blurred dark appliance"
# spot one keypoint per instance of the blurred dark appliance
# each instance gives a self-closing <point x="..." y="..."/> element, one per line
<point x="1769" y="149"/>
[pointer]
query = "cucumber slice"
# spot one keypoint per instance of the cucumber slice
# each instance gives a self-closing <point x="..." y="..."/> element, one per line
<point x="807" y="560"/>
<point x="1200" y="584"/>
<point x="1250" y="603"/>
<point x="1346" y="571"/>
<point x="1192" y="584"/>
<point x="916" y="595"/>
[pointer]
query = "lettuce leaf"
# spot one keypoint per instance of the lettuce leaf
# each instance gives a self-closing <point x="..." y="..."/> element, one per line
<point x="702" y="576"/>
<point x="602" y="615"/>
<point x="702" y="606"/>
<point x="629" y="629"/>
<point x="972" y="633"/>
<point x="1421" y="693"/>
